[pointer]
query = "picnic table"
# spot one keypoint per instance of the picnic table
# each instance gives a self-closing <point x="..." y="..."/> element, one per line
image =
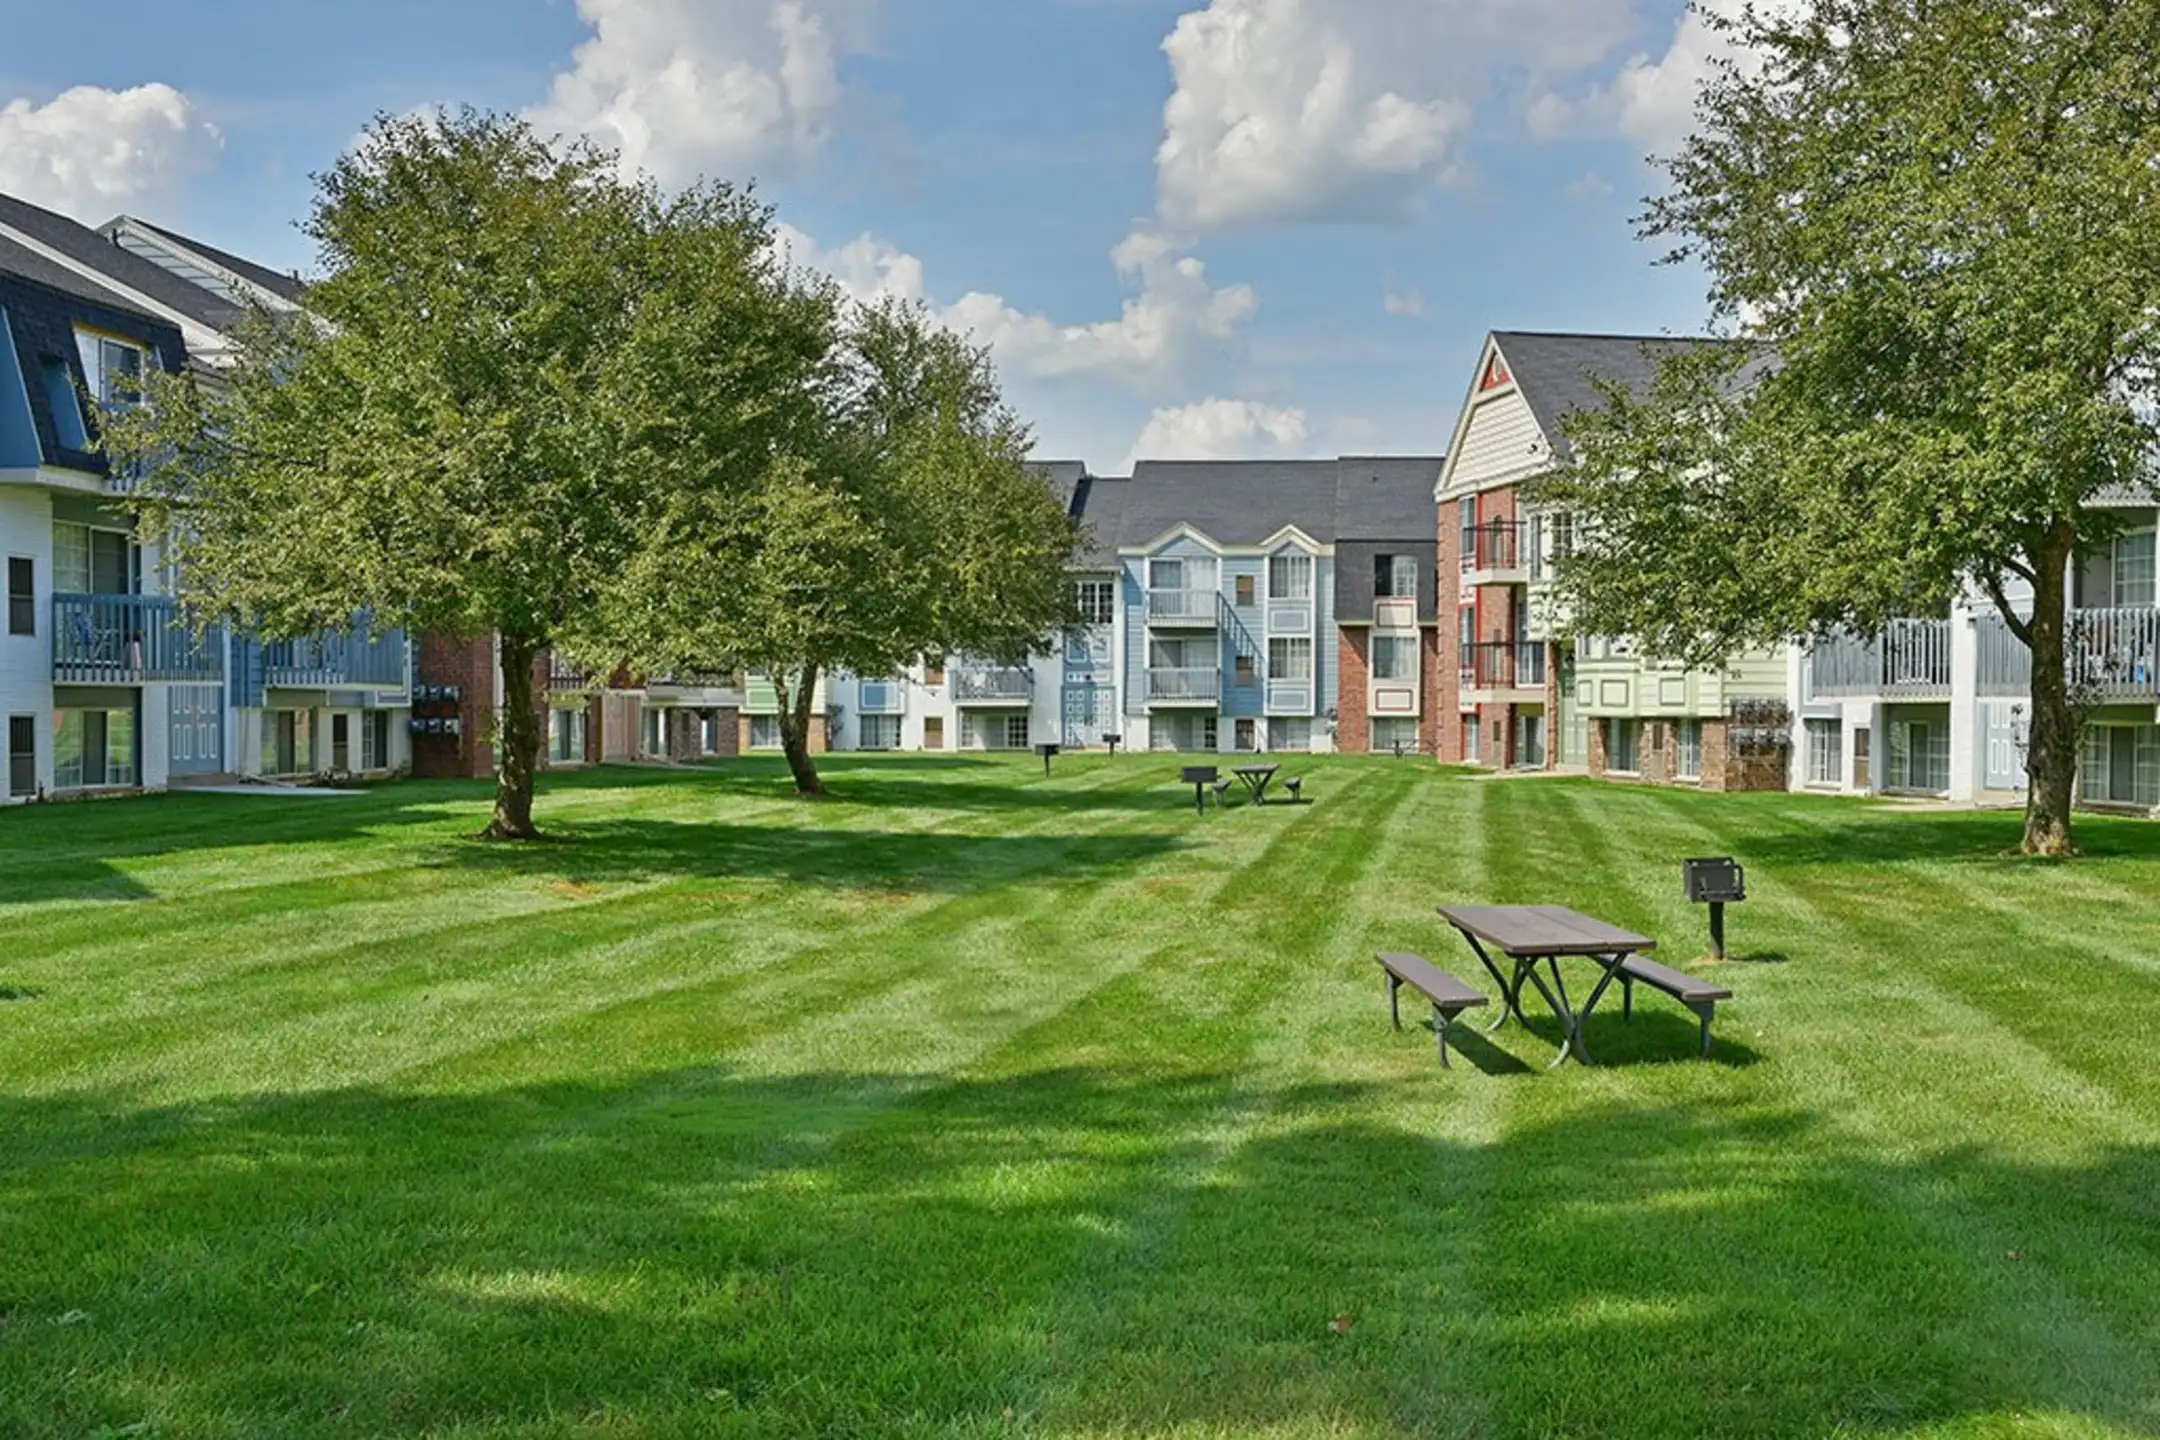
<point x="1256" y="778"/>
<point x="1532" y="934"/>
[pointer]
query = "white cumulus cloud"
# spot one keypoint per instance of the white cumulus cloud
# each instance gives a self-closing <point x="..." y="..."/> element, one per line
<point x="1348" y="110"/>
<point x="89" y="151"/>
<point x="1220" y="429"/>
<point x="684" y="88"/>
<point x="1172" y="309"/>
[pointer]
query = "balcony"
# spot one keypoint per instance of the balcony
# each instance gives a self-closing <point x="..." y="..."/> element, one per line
<point x="996" y="685"/>
<point x="338" y="658"/>
<point x="1183" y="609"/>
<point x="1504" y="665"/>
<point x="128" y="640"/>
<point x="1184" y="686"/>
<point x="2110" y="655"/>
<point x="1909" y="661"/>
<point x="1494" y="554"/>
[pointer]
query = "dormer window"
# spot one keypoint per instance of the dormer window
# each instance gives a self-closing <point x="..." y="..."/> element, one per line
<point x="113" y="369"/>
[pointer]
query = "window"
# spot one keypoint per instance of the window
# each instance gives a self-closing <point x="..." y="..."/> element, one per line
<point x="89" y="561"/>
<point x="1290" y="658"/>
<point x="21" y="595"/>
<point x="2121" y="766"/>
<point x="1687" y="762"/>
<point x="288" y="742"/>
<point x="1016" y="732"/>
<point x="1919" y="756"/>
<point x="880" y="732"/>
<point x="1245" y="585"/>
<point x="2133" y="570"/>
<point x="1394" y="735"/>
<point x="93" y="749"/>
<point x="1623" y="745"/>
<point x="1247" y="672"/>
<point x="1290" y="737"/>
<point x="1394" y="577"/>
<point x="1097" y="600"/>
<point x="1394" y="657"/>
<point x="375" y="740"/>
<point x="765" y="732"/>
<point x="567" y="737"/>
<point x="1529" y="742"/>
<point x="1289" y="577"/>
<point x="1563" y="535"/>
<point x="22" y="755"/>
<point x="1473" y="740"/>
<point x="1467" y="509"/>
<point x="60" y="393"/>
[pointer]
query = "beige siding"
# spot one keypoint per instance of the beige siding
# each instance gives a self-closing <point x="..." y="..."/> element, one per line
<point x="1497" y="445"/>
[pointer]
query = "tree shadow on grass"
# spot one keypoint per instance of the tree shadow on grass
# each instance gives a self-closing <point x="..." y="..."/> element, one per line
<point x="635" y="851"/>
<point x="1064" y="1251"/>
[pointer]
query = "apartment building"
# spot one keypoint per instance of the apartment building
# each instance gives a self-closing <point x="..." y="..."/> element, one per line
<point x="1937" y="705"/>
<point x="135" y="695"/>
<point x="1226" y="606"/>
<point x="1513" y="696"/>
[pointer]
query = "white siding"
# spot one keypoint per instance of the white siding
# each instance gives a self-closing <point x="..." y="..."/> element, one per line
<point x="1501" y="444"/>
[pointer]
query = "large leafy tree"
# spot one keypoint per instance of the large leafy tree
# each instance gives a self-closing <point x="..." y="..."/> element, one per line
<point x="447" y="437"/>
<point x="1941" y="221"/>
<point x="896" y="517"/>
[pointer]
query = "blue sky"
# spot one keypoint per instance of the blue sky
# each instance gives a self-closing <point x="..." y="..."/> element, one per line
<point x="1186" y="227"/>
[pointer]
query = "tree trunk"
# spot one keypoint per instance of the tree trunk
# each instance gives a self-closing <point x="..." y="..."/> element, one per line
<point x="2052" y="746"/>
<point x="795" y="731"/>
<point x="518" y="762"/>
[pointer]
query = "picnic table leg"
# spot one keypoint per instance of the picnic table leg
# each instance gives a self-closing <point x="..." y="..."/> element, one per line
<point x="1507" y="992"/>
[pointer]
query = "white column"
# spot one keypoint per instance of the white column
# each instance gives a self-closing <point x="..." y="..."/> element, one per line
<point x="1968" y="755"/>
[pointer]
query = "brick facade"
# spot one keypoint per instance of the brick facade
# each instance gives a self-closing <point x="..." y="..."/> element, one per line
<point x="1353" y="726"/>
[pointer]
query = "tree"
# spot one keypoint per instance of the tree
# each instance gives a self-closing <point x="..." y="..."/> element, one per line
<point x="444" y="437"/>
<point x="895" y="517"/>
<point x="1941" y="219"/>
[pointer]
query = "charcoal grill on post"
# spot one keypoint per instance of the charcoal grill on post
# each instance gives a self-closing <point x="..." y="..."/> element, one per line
<point x="1716" y="881"/>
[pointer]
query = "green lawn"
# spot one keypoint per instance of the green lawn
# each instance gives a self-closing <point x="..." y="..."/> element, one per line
<point x="969" y="1103"/>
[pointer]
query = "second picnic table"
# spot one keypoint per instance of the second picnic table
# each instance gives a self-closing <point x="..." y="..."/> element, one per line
<point x="1530" y="934"/>
<point x="1256" y="778"/>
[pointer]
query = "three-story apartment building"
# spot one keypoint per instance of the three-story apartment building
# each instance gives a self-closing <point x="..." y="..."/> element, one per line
<point x="1515" y="696"/>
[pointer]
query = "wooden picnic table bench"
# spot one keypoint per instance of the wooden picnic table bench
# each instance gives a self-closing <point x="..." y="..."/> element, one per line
<point x="1699" y="996"/>
<point x="1449" y="996"/>
<point x="1530" y="935"/>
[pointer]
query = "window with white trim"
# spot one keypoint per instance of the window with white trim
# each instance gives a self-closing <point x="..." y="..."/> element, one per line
<point x="1394" y="657"/>
<point x="1290" y="577"/>
<point x="1097" y="600"/>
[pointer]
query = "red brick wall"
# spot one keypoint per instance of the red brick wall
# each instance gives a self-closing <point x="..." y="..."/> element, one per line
<point x="1353" y="723"/>
<point x="469" y="665"/>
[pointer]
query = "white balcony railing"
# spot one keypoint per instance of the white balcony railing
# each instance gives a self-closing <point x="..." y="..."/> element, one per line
<point x="1182" y="607"/>
<point x="1183" y="685"/>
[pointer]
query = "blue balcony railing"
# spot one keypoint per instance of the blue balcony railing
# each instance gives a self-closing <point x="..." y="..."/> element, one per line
<point x="337" y="658"/>
<point x="128" y="640"/>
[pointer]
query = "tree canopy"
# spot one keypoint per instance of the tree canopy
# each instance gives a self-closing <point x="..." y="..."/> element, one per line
<point x="908" y="523"/>
<point x="1936" y="226"/>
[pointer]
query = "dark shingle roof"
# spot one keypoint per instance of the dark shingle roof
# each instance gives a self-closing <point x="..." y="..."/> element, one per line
<point x="289" y="287"/>
<point x="1099" y="504"/>
<point x="28" y="264"/>
<point x="137" y="275"/>
<point x="1246" y="502"/>
<point x="1557" y="374"/>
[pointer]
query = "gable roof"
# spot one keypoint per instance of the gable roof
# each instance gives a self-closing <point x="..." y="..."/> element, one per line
<point x="1250" y="502"/>
<point x="1557" y="374"/>
<point x="285" y="287"/>
<point x="129" y="272"/>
